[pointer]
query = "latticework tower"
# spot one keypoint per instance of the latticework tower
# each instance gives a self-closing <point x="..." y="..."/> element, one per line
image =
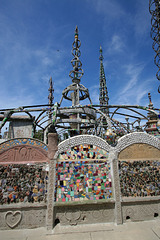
<point x="103" y="93"/>
<point x="154" y="8"/>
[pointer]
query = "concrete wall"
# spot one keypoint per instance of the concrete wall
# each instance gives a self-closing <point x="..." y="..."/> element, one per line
<point x="71" y="213"/>
<point x="116" y="210"/>
<point x="20" y="129"/>
<point x="80" y="213"/>
<point x="22" y="216"/>
<point x="140" y="209"/>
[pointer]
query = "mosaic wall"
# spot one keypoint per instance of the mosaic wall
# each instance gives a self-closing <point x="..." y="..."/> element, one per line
<point x="79" y="180"/>
<point x="139" y="178"/>
<point x="23" y="183"/>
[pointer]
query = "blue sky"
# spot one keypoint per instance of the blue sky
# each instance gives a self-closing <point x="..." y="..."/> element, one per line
<point x="32" y="32"/>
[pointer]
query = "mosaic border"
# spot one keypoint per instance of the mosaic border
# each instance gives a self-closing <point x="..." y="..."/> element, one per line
<point x="133" y="138"/>
<point x="22" y="141"/>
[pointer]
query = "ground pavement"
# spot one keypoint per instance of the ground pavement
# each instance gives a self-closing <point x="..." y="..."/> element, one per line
<point x="148" y="230"/>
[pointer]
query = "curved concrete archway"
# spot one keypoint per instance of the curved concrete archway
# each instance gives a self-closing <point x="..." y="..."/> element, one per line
<point x="134" y="138"/>
<point x="83" y="139"/>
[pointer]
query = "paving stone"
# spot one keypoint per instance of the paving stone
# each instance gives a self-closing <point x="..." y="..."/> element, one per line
<point x="148" y="230"/>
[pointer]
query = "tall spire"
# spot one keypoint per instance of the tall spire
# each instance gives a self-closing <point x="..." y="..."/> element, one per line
<point x="154" y="8"/>
<point x="150" y="101"/>
<point x="77" y="71"/>
<point x="76" y="92"/>
<point x="103" y="95"/>
<point x="50" y="96"/>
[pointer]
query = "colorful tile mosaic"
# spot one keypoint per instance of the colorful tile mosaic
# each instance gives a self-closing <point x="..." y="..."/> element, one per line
<point x="83" y="152"/>
<point x="83" y="180"/>
<point x="22" y="141"/>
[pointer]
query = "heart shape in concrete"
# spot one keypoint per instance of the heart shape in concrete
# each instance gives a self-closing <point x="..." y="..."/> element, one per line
<point x="13" y="218"/>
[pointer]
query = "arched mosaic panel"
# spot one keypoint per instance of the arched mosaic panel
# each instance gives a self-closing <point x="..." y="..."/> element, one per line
<point x="134" y="138"/>
<point x="139" y="151"/>
<point x="21" y="141"/>
<point x="83" y="152"/>
<point x="83" y="139"/>
<point x="23" y="150"/>
<point x="139" y="165"/>
<point x="23" y="171"/>
<point x="83" y="173"/>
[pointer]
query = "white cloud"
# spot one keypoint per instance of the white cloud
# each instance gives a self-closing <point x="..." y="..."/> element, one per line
<point x="132" y="72"/>
<point x="94" y="94"/>
<point x="28" y="60"/>
<point x="134" y="88"/>
<point x="142" y="21"/>
<point x="25" y="66"/>
<point x="28" y="68"/>
<point x="110" y="8"/>
<point x="116" y="45"/>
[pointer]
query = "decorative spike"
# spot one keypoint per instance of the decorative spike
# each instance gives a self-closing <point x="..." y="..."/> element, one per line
<point x="103" y="96"/>
<point x="150" y="101"/>
<point x="76" y="31"/>
<point x="101" y="56"/>
<point x="77" y="71"/>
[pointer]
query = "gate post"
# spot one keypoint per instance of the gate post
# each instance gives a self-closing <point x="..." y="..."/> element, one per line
<point x="52" y="149"/>
<point x="113" y="156"/>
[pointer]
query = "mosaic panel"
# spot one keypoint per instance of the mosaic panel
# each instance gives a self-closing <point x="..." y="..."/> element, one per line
<point x="83" y="152"/>
<point x="83" y="180"/>
<point x="139" y="178"/>
<point x="23" y="183"/>
<point x="22" y="141"/>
